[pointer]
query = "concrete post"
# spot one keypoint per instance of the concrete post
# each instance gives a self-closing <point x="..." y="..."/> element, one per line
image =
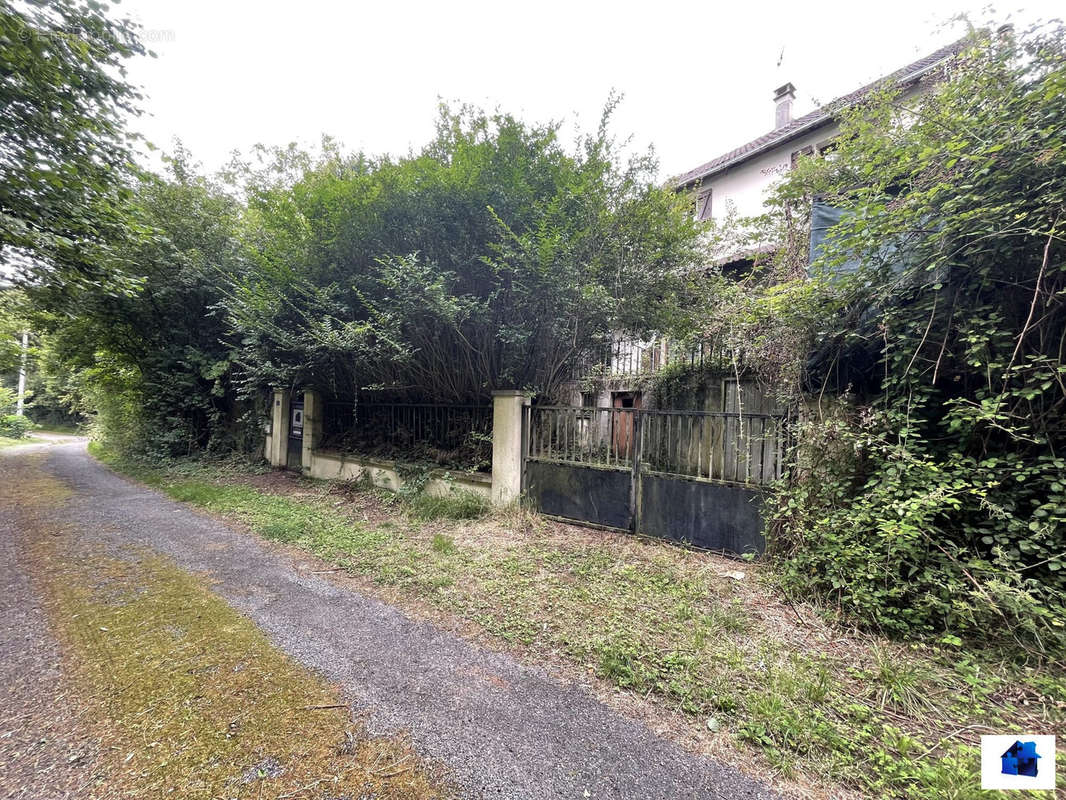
<point x="508" y="408"/>
<point x="312" y="427"/>
<point x="279" y="429"/>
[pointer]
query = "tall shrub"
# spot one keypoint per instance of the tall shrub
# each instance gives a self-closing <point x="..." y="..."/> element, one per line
<point x="936" y="500"/>
<point x="495" y="257"/>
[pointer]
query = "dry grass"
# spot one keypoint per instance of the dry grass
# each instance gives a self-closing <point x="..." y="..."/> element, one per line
<point x="186" y="696"/>
<point x="688" y="640"/>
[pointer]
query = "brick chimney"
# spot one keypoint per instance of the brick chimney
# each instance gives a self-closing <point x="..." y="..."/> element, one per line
<point x="783" y="97"/>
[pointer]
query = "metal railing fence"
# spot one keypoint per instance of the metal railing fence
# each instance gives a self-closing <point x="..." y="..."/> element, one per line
<point x="722" y="446"/>
<point x="457" y="436"/>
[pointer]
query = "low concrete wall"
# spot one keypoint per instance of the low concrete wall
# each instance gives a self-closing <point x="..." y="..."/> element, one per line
<point x="331" y="465"/>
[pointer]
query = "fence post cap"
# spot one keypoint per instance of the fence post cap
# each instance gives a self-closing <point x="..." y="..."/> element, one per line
<point x="511" y="393"/>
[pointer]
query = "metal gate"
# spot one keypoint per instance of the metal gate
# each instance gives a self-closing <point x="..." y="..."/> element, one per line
<point x="296" y="435"/>
<point x="690" y="476"/>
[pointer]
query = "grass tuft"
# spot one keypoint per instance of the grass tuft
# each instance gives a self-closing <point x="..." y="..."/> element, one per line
<point x="443" y="544"/>
<point x="899" y="681"/>
<point x="461" y="504"/>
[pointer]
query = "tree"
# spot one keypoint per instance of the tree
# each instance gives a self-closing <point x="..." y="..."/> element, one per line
<point x="155" y="363"/>
<point x="65" y="155"/>
<point x="493" y="258"/>
<point x="13" y="322"/>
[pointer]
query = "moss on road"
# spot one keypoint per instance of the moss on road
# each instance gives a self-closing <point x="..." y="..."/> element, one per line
<point x="185" y="695"/>
<point x="828" y="710"/>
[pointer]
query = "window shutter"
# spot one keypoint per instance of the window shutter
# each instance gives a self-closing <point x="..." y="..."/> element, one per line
<point x="703" y="205"/>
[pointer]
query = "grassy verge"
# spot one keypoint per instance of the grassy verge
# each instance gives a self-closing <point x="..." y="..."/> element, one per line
<point x="189" y="698"/>
<point x="701" y="636"/>
<point x="67" y="430"/>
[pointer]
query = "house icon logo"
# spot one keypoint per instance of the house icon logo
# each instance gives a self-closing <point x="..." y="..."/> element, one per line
<point x="1020" y="759"/>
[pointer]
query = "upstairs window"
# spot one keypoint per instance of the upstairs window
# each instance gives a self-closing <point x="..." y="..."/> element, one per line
<point x="824" y="149"/>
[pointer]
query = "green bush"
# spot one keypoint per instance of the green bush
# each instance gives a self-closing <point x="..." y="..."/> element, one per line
<point x="14" y="426"/>
<point x="935" y="502"/>
<point x="914" y="540"/>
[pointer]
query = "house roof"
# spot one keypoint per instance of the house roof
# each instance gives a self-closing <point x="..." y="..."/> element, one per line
<point x="903" y="77"/>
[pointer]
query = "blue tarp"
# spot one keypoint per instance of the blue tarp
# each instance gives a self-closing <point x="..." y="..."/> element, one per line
<point x="824" y="217"/>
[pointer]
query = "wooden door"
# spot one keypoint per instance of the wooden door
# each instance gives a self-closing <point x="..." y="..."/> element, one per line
<point x="627" y="404"/>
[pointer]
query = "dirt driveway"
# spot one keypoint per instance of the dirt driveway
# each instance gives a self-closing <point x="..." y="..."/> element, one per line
<point x="500" y="728"/>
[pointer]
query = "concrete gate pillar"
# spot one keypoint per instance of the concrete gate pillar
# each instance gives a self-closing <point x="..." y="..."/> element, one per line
<point x="279" y="429"/>
<point x="508" y="410"/>
<point x="312" y="427"/>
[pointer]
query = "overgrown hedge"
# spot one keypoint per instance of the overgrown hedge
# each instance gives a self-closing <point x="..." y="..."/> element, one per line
<point x="934" y="500"/>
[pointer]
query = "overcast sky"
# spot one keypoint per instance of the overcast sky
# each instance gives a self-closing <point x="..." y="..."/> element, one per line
<point x="697" y="77"/>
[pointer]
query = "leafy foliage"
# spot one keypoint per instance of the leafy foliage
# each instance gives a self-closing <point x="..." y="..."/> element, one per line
<point x="12" y="426"/>
<point x="15" y="426"/>
<point x="491" y="259"/>
<point x="154" y="364"/>
<point x="12" y="325"/>
<point x="64" y="150"/>
<point x="936" y="501"/>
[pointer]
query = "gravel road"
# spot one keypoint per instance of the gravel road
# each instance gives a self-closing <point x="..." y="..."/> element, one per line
<point x="44" y="753"/>
<point x="503" y="729"/>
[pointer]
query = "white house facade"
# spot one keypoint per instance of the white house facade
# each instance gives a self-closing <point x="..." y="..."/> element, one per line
<point x="737" y="182"/>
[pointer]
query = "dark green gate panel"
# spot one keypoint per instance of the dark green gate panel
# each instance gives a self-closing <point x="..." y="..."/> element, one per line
<point x="296" y="453"/>
<point x="601" y="496"/>
<point x="296" y="435"/>
<point x="711" y="515"/>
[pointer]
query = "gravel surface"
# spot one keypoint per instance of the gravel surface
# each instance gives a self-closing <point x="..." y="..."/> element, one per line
<point x="503" y="729"/>
<point x="44" y="753"/>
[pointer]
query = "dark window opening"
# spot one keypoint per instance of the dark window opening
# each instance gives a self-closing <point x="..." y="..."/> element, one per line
<point x="823" y="148"/>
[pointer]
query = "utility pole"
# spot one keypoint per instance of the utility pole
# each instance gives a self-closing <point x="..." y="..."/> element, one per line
<point x="22" y="373"/>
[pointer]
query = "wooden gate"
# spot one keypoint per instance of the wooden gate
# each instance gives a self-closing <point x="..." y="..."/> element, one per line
<point x="691" y="476"/>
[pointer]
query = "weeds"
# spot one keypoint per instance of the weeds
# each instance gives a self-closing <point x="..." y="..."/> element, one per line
<point x="665" y="623"/>
<point x="459" y="505"/>
<point x="443" y="544"/>
<point x="899" y="682"/>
